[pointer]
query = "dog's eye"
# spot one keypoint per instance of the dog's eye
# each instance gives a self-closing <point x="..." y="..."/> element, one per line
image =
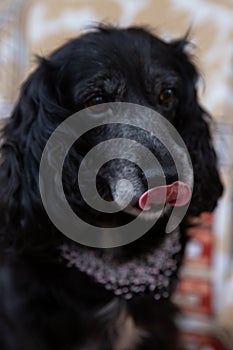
<point x="96" y="104"/>
<point x="166" y="96"/>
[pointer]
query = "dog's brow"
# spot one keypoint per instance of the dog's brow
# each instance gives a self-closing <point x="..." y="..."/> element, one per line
<point x="157" y="79"/>
<point x="115" y="85"/>
<point x="108" y="84"/>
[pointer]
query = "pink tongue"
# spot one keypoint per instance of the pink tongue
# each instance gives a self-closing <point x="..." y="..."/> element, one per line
<point x="176" y="194"/>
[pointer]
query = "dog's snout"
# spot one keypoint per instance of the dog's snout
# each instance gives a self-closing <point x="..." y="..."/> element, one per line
<point x="155" y="180"/>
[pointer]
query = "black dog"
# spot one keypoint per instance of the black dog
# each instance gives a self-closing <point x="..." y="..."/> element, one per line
<point x="55" y="293"/>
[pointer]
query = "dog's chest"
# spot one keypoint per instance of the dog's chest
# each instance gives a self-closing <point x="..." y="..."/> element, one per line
<point x="128" y="335"/>
<point x="151" y="273"/>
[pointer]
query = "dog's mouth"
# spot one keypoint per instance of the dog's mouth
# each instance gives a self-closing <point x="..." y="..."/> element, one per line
<point x="160" y="198"/>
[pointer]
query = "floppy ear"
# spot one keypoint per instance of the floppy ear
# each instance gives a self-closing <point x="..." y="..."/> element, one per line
<point x="193" y="123"/>
<point x="23" y="140"/>
<point x="207" y="183"/>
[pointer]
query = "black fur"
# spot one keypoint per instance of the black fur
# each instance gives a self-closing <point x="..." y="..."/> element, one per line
<point x="43" y="304"/>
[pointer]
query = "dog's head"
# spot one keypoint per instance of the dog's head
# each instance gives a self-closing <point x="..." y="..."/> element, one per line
<point x="103" y="66"/>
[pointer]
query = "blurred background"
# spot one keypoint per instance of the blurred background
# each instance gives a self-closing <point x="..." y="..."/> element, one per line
<point x="29" y="27"/>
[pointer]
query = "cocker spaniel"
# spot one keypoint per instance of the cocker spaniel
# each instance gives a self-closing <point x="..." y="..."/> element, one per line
<point x="56" y="293"/>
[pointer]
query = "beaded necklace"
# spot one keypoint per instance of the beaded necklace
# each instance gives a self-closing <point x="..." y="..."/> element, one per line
<point x="147" y="274"/>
